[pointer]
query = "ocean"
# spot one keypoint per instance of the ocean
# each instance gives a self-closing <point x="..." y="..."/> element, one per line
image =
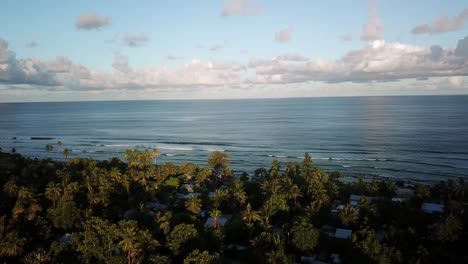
<point x="421" y="138"/>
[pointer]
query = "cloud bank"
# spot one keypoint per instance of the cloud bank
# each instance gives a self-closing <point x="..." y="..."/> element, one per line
<point x="443" y="24"/>
<point x="90" y="21"/>
<point x="135" y="40"/>
<point x="377" y="61"/>
<point x="240" y="8"/>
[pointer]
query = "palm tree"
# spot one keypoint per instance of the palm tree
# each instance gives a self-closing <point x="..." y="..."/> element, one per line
<point x="249" y="216"/>
<point x="348" y="215"/>
<point x="10" y="188"/>
<point x="135" y="242"/>
<point x="65" y="153"/>
<point x="59" y="143"/>
<point x="38" y="256"/>
<point x="69" y="190"/>
<point x="53" y="192"/>
<point x="193" y="204"/>
<point x="215" y="214"/>
<point x="218" y="160"/>
<point x="11" y="245"/>
<point x="276" y="257"/>
<point x="49" y="148"/>
<point x="164" y="221"/>
<point x="294" y="193"/>
<point x="203" y="175"/>
<point x="25" y="193"/>
<point x="129" y="243"/>
<point x="266" y="213"/>
<point x="237" y="192"/>
<point x="275" y="170"/>
<point x="220" y="195"/>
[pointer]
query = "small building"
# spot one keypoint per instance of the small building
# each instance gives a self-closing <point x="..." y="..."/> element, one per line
<point x="129" y="214"/>
<point x="156" y="206"/>
<point x="343" y="233"/>
<point x="328" y="230"/>
<point x="311" y="260"/>
<point x="354" y="199"/>
<point x="397" y="200"/>
<point x="431" y="208"/>
<point x="337" y="209"/>
<point x="335" y="258"/>
<point x="237" y="247"/>
<point x="195" y="194"/>
<point x="307" y="259"/>
<point x="222" y="220"/>
<point x="65" y="239"/>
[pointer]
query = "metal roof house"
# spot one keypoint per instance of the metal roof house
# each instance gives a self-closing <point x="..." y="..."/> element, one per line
<point x="222" y="220"/>
<point x="431" y="208"/>
<point x="343" y="233"/>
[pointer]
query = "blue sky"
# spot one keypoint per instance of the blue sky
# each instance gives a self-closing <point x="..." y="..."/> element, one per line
<point x="216" y="54"/>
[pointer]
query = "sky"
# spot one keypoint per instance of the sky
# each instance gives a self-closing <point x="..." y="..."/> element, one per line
<point x="222" y="49"/>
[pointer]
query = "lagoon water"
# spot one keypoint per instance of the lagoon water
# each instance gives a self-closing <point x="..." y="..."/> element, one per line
<point x="423" y="138"/>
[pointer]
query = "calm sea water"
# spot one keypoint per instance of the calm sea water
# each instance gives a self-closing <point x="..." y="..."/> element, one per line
<point x="420" y="138"/>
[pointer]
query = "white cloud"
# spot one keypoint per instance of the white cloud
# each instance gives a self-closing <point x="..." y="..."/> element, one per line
<point x="378" y="61"/>
<point x="135" y="40"/>
<point x="284" y="35"/>
<point x="292" y="57"/>
<point x="88" y="21"/>
<point x="443" y="24"/>
<point x="372" y="29"/>
<point x="462" y="48"/>
<point x="240" y="8"/>
<point x="456" y="81"/>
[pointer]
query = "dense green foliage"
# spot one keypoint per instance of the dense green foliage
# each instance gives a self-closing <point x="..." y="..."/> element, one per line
<point x="88" y="211"/>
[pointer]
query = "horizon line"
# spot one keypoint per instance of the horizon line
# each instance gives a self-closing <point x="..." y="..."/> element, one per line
<point x="234" y="99"/>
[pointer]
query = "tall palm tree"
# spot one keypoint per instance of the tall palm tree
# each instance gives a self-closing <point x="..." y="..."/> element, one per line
<point x="65" y="153"/>
<point x="10" y="188"/>
<point x="129" y="243"/>
<point x="49" y="148"/>
<point x="219" y="196"/>
<point x="275" y="170"/>
<point x="215" y="214"/>
<point x="193" y="204"/>
<point x="348" y="215"/>
<point x="11" y="244"/>
<point x="59" y="143"/>
<point x="294" y="193"/>
<point x="266" y="213"/>
<point x="164" y="221"/>
<point x="249" y="215"/>
<point x="53" y="192"/>
<point x="135" y="242"/>
<point x="237" y="192"/>
<point x="69" y="190"/>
